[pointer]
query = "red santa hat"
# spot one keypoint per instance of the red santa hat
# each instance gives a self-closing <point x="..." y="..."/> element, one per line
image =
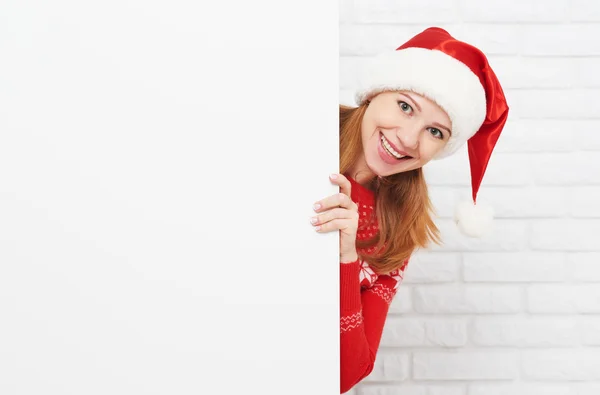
<point x="458" y="77"/>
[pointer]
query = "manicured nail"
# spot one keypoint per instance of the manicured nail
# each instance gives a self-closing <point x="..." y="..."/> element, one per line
<point x="317" y="228"/>
<point x="333" y="176"/>
<point x="313" y="220"/>
<point x="317" y="206"/>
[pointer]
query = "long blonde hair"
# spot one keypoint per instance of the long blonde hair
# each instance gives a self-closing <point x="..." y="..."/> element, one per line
<point x="402" y="205"/>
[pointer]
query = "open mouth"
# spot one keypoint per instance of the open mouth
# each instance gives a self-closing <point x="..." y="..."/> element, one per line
<point x="389" y="151"/>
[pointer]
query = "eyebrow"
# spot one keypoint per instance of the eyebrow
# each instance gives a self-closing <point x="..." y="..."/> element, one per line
<point x="412" y="100"/>
<point x="439" y="125"/>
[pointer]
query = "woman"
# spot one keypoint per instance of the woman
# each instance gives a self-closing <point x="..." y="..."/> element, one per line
<point x="422" y="101"/>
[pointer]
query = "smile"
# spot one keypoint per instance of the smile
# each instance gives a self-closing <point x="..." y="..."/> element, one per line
<point x="388" y="148"/>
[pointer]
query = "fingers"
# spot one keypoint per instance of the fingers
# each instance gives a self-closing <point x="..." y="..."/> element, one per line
<point x="336" y="224"/>
<point x="333" y="214"/>
<point x="337" y="200"/>
<point x="338" y="211"/>
<point x="341" y="199"/>
<point x="343" y="182"/>
<point x="345" y="188"/>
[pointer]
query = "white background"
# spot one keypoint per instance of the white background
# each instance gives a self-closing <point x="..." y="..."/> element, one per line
<point x="158" y="165"/>
<point x="518" y="312"/>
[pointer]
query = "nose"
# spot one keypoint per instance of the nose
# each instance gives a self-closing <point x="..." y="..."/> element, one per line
<point x="409" y="136"/>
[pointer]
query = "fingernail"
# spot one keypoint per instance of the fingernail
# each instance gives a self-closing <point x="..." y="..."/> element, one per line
<point x="317" y="206"/>
<point x="333" y="176"/>
<point x="313" y="220"/>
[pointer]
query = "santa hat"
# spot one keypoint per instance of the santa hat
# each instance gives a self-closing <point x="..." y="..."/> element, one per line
<point x="459" y="79"/>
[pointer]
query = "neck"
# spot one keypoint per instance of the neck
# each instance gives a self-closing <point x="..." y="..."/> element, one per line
<point x="361" y="173"/>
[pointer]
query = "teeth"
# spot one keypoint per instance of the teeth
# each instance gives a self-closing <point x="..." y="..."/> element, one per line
<point x="390" y="149"/>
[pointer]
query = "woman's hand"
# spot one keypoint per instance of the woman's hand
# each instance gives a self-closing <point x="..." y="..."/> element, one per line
<point x="339" y="212"/>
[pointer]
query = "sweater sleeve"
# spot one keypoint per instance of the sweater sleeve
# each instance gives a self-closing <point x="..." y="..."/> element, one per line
<point x="362" y="318"/>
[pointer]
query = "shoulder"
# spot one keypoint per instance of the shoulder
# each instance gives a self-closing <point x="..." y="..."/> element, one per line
<point x="397" y="275"/>
<point x="384" y="285"/>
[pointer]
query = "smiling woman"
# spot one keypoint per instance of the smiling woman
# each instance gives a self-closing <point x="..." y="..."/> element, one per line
<point x="418" y="103"/>
<point x="400" y="132"/>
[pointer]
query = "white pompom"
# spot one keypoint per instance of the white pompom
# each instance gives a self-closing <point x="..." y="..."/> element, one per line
<point x="474" y="220"/>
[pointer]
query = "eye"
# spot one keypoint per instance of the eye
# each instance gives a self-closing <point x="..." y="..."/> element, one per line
<point x="404" y="106"/>
<point x="436" y="133"/>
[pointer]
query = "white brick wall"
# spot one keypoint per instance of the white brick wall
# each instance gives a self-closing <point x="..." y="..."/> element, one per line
<point x="517" y="312"/>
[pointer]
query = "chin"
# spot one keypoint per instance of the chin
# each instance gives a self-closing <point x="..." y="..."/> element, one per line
<point x="388" y="171"/>
<point x="405" y="170"/>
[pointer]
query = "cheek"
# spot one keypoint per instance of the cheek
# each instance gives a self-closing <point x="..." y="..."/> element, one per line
<point x="366" y="129"/>
<point x="430" y="148"/>
<point x="385" y="116"/>
<point x="388" y="120"/>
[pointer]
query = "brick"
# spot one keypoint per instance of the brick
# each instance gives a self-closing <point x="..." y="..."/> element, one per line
<point x="368" y="40"/>
<point x="550" y="72"/>
<point x="561" y="364"/>
<point x="548" y="136"/>
<point x="585" y="73"/>
<point x="508" y="169"/>
<point x="445" y="332"/>
<point x="465" y="365"/>
<point x="390" y="366"/>
<point x="584" y="11"/>
<point x="503" y="169"/>
<point x="412" y="389"/>
<point x="512" y="11"/>
<point x="506" y="235"/>
<point x="522" y="389"/>
<point x="526" y="202"/>
<point x="390" y="11"/>
<point x="403" y="332"/>
<point x="402" y="302"/>
<point x="445" y="198"/>
<point x="587" y="389"/>
<point x="583" y="201"/>
<point x="583" y="140"/>
<point x="553" y="103"/>
<point x="584" y="266"/>
<point x="415" y="332"/>
<point x="565" y="234"/>
<point x="492" y="39"/>
<point x="432" y="268"/>
<point x="590" y="330"/>
<point x="555" y="298"/>
<point x="455" y="299"/>
<point x="566" y="169"/>
<point x="514" y="267"/>
<point x="453" y="170"/>
<point x="536" y="135"/>
<point x="561" y="40"/>
<point x="507" y="202"/>
<point x="525" y="332"/>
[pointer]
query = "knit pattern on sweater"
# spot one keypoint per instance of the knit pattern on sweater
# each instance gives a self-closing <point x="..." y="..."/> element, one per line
<point x="365" y="298"/>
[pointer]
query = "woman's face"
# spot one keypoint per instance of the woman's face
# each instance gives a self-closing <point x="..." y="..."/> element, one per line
<point x="414" y="126"/>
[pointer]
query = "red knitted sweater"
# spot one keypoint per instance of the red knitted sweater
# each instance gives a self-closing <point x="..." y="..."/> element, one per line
<point x="364" y="300"/>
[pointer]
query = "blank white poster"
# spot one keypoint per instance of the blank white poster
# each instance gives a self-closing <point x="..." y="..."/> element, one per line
<point x="158" y="165"/>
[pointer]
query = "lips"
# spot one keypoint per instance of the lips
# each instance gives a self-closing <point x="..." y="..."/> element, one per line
<point x="392" y="145"/>
<point x="387" y="157"/>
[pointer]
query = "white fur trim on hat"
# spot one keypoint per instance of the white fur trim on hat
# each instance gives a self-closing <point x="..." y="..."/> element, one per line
<point x="435" y="75"/>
